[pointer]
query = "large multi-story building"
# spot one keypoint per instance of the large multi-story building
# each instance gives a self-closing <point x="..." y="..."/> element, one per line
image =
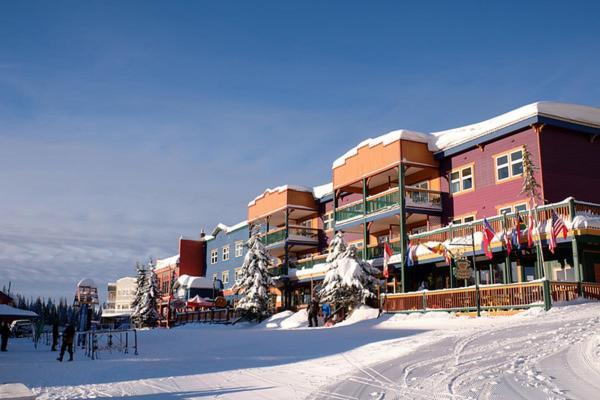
<point x="119" y="297"/>
<point x="430" y="188"/>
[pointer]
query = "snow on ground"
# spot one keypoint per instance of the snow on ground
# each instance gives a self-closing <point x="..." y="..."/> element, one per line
<point x="534" y="355"/>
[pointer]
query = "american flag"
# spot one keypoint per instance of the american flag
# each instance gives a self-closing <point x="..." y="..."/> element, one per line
<point x="558" y="226"/>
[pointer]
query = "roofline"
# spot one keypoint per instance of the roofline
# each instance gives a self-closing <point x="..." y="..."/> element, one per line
<point x="505" y="131"/>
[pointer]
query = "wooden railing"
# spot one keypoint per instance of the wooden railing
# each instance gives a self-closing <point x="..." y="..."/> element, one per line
<point x="220" y="315"/>
<point x="278" y="235"/>
<point x="511" y="296"/>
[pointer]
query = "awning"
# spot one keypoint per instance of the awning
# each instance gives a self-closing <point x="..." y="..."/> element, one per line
<point x="7" y="311"/>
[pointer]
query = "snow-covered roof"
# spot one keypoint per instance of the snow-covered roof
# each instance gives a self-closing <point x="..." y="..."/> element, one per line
<point x="280" y="189"/>
<point x="384" y="139"/>
<point x="8" y="311"/>
<point x="443" y="140"/>
<point x="167" y="262"/>
<point x="86" y="283"/>
<point x="226" y="229"/>
<point x="322" y="190"/>
<point x="194" y="282"/>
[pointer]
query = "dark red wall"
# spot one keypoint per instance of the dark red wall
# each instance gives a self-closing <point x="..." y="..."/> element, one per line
<point x="192" y="260"/>
<point x="571" y="165"/>
<point x="487" y="194"/>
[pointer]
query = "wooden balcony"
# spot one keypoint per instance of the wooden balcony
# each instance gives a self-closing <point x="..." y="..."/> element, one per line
<point x="297" y="234"/>
<point x="415" y="198"/>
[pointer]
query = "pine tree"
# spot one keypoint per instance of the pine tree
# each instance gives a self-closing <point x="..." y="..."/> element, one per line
<point x="337" y="247"/>
<point x="530" y="185"/>
<point x="148" y="311"/>
<point x="253" y="281"/>
<point x="349" y="281"/>
<point x="140" y="288"/>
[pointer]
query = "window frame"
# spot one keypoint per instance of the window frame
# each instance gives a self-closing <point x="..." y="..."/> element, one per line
<point x="225" y="254"/>
<point x="239" y="248"/>
<point x="225" y="276"/>
<point x="460" y="219"/>
<point x="328" y="221"/>
<point x="509" y="164"/>
<point x="461" y="179"/>
<point x="511" y="207"/>
<point x="214" y="256"/>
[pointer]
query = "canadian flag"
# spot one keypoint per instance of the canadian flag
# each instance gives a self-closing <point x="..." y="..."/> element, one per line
<point x="387" y="253"/>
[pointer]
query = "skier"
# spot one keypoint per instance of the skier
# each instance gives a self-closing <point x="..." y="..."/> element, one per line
<point x="67" y="342"/>
<point x="313" y="311"/>
<point x="4" y="333"/>
<point x="54" y="336"/>
<point x="326" y="309"/>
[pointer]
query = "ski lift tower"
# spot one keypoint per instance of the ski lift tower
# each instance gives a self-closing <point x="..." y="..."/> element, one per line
<point x="86" y="299"/>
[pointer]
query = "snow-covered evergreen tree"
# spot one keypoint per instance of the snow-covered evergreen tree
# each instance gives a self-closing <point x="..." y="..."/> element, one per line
<point x="140" y="287"/>
<point x="530" y="185"/>
<point x="254" y="280"/>
<point x="149" y="315"/>
<point x="349" y="281"/>
<point x="337" y="247"/>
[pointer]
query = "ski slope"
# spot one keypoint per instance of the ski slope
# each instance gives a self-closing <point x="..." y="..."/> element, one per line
<point x="532" y="355"/>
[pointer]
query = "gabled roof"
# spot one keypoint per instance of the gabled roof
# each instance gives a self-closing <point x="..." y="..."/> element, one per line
<point x="227" y="229"/>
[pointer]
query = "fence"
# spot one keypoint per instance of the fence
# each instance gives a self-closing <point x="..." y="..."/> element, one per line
<point x="107" y="340"/>
<point x="502" y="297"/>
<point x="219" y="315"/>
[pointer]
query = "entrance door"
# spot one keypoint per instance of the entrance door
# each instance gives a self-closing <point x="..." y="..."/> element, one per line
<point x="597" y="273"/>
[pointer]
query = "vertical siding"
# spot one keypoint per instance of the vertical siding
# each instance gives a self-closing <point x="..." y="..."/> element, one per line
<point x="571" y="165"/>
<point x="487" y="194"/>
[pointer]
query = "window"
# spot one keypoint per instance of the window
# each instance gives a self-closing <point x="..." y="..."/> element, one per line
<point x="327" y="221"/>
<point x="214" y="256"/>
<point x="418" y="196"/>
<point x="419" y="229"/>
<point x="306" y="224"/>
<point x="239" y="248"/>
<point x="383" y="239"/>
<point x="463" y="220"/>
<point x="461" y="180"/>
<point x="512" y="208"/>
<point x="238" y="273"/>
<point x="214" y="276"/>
<point x="225" y="253"/>
<point x="509" y="165"/>
<point x="225" y="276"/>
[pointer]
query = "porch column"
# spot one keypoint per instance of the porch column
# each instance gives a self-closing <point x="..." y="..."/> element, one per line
<point x="286" y="259"/>
<point x="574" y="244"/>
<point x="451" y="237"/>
<point x="402" y="204"/>
<point x="335" y="204"/>
<point x="365" y="231"/>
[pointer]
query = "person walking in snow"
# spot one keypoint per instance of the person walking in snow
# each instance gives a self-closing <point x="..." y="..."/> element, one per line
<point x="54" y="336"/>
<point x="67" y="342"/>
<point x="4" y="333"/>
<point x="313" y="311"/>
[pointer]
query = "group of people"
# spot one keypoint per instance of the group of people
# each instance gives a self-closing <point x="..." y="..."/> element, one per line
<point x="313" y="312"/>
<point x="68" y="335"/>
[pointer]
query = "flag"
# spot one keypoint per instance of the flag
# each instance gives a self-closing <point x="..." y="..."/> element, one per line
<point x="515" y="238"/>
<point x="508" y="241"/>
<point x="387" y="253"/>
<point x="441" y="250"/>
<point x="488" y="236"/>
<point x="411" y="251"/>
<point x="519" y="222"/>
<point x="558" y="226"/>
<point x="530" y="229"/>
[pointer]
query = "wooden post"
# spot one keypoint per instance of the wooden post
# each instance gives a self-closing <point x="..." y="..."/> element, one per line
<point x="365" y="233"/>
<point x="402" y="204"/>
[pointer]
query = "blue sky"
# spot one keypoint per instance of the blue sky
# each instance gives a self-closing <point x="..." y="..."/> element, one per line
<point x="124" y="125"/>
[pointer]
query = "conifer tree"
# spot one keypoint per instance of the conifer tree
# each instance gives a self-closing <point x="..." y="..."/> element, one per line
<point x="140" y="288"/>
<point x="530" y="185"/>
<point x="254" y="280"/>
<point x="337" y="247"/>
<point x="349" y="281"/>
<point x="148" y="311"/>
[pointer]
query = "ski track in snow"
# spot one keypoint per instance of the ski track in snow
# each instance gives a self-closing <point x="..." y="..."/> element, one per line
<point x="536" y="355"/>
<point x="552" y="359"/>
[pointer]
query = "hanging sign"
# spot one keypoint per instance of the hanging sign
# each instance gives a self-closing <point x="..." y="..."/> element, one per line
<point x="463" y="269"/>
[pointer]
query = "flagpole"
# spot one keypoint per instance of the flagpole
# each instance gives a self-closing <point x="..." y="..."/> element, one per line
<point x="477" y="297"/>
<point x="540" y="249"/>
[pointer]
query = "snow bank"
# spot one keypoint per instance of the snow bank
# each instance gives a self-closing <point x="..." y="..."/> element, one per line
<point x="296" y="320"/>
<point x="274" y="321"/>
<point x="228" y="229"/>
<point x="362" y="313"/>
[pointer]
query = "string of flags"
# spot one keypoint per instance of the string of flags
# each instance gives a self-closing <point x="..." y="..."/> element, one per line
<point x="510" y="239"/>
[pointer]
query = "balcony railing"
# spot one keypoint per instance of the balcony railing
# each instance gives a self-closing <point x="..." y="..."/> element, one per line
<point x="297" y="233"/>
<point x="310" y="262"/>
<point x="414" y="197"/>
